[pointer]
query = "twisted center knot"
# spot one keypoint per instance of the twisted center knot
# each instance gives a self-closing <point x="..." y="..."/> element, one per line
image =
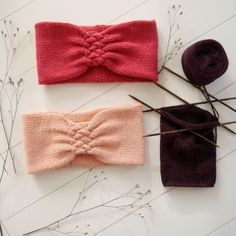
<point x="81" y="138"/>
<point x="93" y="41"/>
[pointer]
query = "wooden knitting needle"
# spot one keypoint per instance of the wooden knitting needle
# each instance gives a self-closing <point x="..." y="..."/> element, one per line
<point x="182" y="130"/>
<point x="212" y="96"/>
<point x="184" y="101"/>
<point x="197" y="134"/>
<point x="199" y="103"/>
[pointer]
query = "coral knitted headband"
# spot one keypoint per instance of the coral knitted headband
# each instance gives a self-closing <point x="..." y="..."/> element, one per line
<point x="103" y="53"/>
<point x="107" y="136"/>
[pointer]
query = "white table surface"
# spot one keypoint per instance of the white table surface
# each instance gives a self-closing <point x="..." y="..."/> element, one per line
<point x="28" y="202"/>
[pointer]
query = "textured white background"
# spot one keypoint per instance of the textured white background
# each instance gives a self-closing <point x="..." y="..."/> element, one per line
<point x="179" y="211"/>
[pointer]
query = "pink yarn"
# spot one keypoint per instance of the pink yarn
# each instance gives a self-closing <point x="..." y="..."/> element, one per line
<point x="107" y="136"/>
<point x="103" y="53"/>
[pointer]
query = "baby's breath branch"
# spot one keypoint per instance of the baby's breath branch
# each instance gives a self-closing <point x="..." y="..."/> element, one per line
<point x="56" y="224"/>
<point x="11" y="53"/>
<point x="10" y="90"/>
<point x="75" y="231"/>
<point x="147" y="204"/>
<point x="13" y="112"/>
<point x="82" y="192"/>
<point x="128" y="207"/>
<point x="4" y="167"/>
<point x="174" y="14"/>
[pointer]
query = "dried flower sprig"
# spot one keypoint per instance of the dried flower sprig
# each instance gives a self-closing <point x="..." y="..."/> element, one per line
<point x="134" y="197"/>
<point x="76" y="230"/>
<point x="11" y="89"/>
<point x="173" y="44"/>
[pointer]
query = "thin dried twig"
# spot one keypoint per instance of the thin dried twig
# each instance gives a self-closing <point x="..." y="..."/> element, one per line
<point x="10" y="90"/>
<point x="173" y="45"/>
<point x="138" y="196"/>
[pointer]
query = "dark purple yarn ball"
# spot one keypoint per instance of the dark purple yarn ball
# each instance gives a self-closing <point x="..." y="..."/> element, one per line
<point x="204" y="62"/>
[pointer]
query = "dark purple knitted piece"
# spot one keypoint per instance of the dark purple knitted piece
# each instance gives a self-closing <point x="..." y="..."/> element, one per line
<point x="204" y="62"/>
<point x="186" y="159"/>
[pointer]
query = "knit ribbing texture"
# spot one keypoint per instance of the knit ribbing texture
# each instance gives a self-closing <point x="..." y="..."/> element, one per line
<point x="186" y="159"/>
<point x="67" y="53"/>
<point x="106" y="136"/>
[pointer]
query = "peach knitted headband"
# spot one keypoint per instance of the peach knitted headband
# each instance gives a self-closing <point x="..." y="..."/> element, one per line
<point x="107" y="136"/>
<point x="68" y="53"/>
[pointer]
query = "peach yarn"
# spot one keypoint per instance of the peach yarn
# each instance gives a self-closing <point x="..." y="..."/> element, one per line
<point x="106" y="136"/>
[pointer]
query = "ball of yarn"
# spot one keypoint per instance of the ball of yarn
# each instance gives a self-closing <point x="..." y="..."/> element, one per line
<point x="204" y="62"/>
